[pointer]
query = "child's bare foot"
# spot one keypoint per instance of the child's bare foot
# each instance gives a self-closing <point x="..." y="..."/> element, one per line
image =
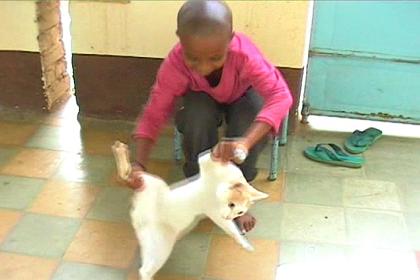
<point x="246" y="222"/>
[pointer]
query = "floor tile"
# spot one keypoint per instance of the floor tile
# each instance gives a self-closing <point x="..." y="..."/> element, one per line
<point x="313" y="223"/>
<point x="369" y="263"/>
<point x="387" y="169"/>
<point x="402" y="149"/>
<point x="33" y="163"/>
<point x="58" y="121"/>
<point x="18" y="192"/>
<point x="268" y="215"/>
<point x="17" y="133"/>
<point x="6" y="153"/>
<point x="410" y="195"/>
<point x="314" y="189"/>
<point x="372" y="194"/>
<point x="100" y="243"/>
<point x="228" y="261"/>
<point x="133" y="275"/>
<point x="301" y="252"/>
<point x="161" y="168"/>
<point x="163" y="149"/>
<point x="66" y="117"/>
<point x="63" y="198"/>
<point x="64" y="113"/>
<point x="82" y="168"/>
<point x="176" y="173"/>
<point x="268" y="226"/>
<point x="63" y="138"/>
<point x="264" y="159"/>
<point x="205" y="226"/>
<point x="108" y="126"/>
<point x="19" y="267"/>
<point x="297" y="162"/>
<point x="8" y="220"/>
<point x="174" y="277"/>
<point x="413" y="227"/>
<point x="41" y="235"/>
<point x="189" y="256"/>
<point x="80" y="271"/>
<point x="363" y="264"/>
<point x="377" y="228"/>
<point x="112" y="204"/>
<point x="98" y="142"/>
<point x="275" y="189"/>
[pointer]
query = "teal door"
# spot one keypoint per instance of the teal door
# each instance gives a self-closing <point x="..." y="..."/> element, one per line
<point x="364" y="60"/>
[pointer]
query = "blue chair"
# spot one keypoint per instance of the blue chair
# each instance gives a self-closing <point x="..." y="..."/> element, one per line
<point x="280" y="139"/>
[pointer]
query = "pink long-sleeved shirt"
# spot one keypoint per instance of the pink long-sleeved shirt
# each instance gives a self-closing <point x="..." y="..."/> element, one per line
<point x="244" y="67"/>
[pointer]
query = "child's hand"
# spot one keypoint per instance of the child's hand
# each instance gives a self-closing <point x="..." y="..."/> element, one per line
<point x="230" y="150"/>
<point x="135" y="179"/>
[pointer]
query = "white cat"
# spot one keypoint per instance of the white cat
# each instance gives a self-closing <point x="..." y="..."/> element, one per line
<point x="161" y="216"/>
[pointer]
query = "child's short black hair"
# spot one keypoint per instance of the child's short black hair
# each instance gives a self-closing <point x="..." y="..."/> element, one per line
<point x="203" y="18"/>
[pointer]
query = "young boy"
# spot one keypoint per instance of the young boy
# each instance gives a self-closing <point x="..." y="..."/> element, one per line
<point x="220" y="75"/>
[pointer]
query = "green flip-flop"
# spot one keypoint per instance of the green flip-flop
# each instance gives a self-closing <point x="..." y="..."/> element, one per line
<point x="334" y="155"/>
<point x="360" y="141"/>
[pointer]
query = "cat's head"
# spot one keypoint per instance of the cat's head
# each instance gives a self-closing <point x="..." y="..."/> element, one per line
<point x="236" y="198"/>
<point x="234" y="194"/>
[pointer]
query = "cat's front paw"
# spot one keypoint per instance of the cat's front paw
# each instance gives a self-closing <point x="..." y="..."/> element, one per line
<point x="248" y="247"/>
<point x="246" y="244"/>
<point x="243" y="241"/>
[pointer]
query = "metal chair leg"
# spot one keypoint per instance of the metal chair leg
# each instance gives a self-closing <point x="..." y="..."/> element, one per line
<point x="177" y="145"/>
<point x="284" y="128"/>
<point x="275" y="158"/>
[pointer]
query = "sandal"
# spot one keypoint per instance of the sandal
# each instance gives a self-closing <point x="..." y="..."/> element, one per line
<point x="334" y="155"/>
<point x="360" y="141"/>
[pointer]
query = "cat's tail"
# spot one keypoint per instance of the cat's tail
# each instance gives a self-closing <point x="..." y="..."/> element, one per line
<point x="135" y="179"/>
<point x="122" y="159"/>
<point x="126" y="174"/>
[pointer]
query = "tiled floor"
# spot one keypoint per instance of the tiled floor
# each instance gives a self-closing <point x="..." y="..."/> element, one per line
<point x="63" y="214"/>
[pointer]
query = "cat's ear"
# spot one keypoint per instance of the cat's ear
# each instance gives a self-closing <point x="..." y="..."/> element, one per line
<point x="252" y="192"/>
<point x="255" y="194"/>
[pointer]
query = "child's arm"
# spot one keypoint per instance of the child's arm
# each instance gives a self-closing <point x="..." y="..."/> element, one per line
<point x="143" y="148"/>
<point x="270" y="84"/>
<point x="255" y="133"/>
<point x="170" y="83"/>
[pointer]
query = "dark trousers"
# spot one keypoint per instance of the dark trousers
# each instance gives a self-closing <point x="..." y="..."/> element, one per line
<point x="199" y="118"/>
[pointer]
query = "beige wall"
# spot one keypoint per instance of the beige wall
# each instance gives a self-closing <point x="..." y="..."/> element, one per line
<point x="18" y="29"/>
<point x="277" y="27"/>
<point x="147" y="28"/>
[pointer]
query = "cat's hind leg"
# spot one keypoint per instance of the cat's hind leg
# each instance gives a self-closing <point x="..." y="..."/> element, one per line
<point x="156" y="245"/>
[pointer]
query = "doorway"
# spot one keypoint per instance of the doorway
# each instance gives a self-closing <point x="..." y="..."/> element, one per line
<point x="364" y="61"/>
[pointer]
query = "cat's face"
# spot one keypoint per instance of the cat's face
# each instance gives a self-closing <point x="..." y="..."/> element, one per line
<point x="234" y="194"/>
<point x="237" y="198"/>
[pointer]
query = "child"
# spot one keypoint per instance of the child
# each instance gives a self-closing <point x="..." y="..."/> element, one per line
<point x="220" y="75"/>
